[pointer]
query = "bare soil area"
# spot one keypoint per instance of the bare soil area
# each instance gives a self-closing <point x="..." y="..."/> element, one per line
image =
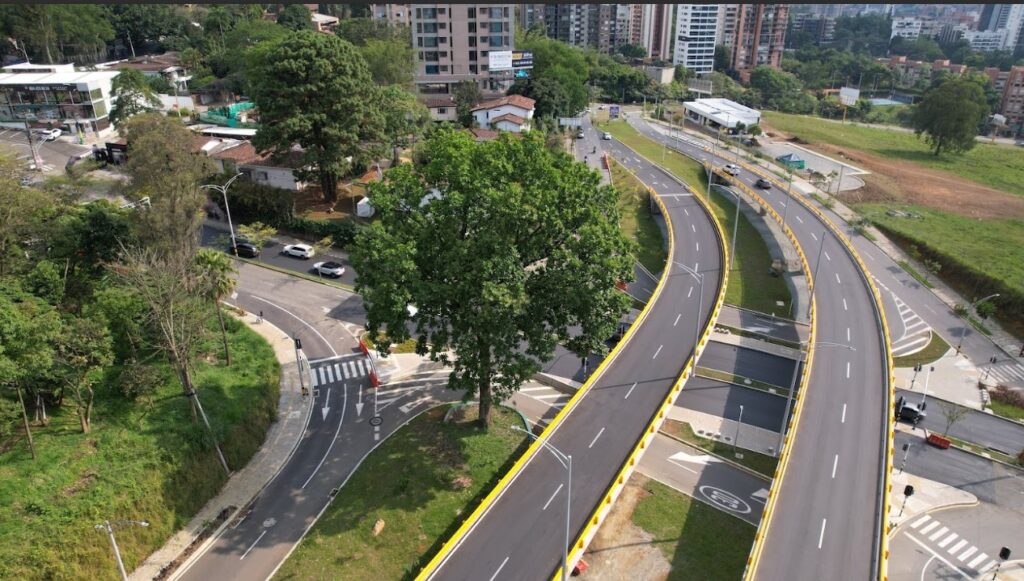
<point x="898" y="181"/>
<point x="622" y="550"/>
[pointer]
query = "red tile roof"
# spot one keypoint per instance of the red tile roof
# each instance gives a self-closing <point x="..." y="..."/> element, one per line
<point x="508" y="117"/>
<point x="516" y="100"/>
<point x="483" y="134"/>
<point x="435" y="101"/>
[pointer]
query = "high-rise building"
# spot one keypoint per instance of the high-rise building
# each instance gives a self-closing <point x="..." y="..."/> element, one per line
<point x="696" y="30"/>
<point x="821" y="29"/>
<point x="656" y="30"/>
<point x="583" y="25"/>
<point x="759" y="37"/>
<point x="452" y="43"/>
<point x="528" y="15"/>
<point x="393" y="14"/>
<point x="621" y="31"/>
<point x="1008" y="17"/>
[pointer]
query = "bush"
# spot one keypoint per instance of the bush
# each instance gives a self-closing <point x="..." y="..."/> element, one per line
<point x="140" y="380"/>
<point x="1003" y="394"/>
<point x="342" y="232"/>
<point x="251" y="202"/>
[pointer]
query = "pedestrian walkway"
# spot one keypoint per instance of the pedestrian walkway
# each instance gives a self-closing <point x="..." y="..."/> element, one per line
<point x="742" y="435"/>
<point x="1008" y="371"/>
<point x="338" y="369"/>
<point x="956" y="550"/>
<point x="916" y="333"/>
<point x="245" y="483"/>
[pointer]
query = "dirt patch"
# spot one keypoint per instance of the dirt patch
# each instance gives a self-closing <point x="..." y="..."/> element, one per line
<point x="898" y="181"/>
<point x="83" y="482"/>
<point x="622" y="550"/>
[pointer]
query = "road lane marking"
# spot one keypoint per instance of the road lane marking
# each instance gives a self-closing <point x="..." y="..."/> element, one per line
<point x="959" y="545"/>
<point x="594" y="441"/>
<point x="359" y="362"/>
<point x="689" y="293"/>
<point x="928" y="528"/>
<point x="692" y="227"/>
<point x="677" y="319"/>
<point x="341" y="419"/>
<point x="948" y="540"/>
<point x="970" y="551"/>
<point x="929" y="307"/>
<point x="330" y="374"/>
<point x="557" y="490"/>
<point x="919" y="521"/>
<point x="977" y="560"/>
<point x="246" y="553"/>
<point x="827" y="257"/>
<point x="847" y="370"/>
<point x="821" y="537"/>
<point x="500" y="567"/>
<point x="835" y="463"/>
<point x="631" y="388"/>
<point x="935" y="536"/>
<point x="799" y="218"/>
<point x="696" y="267"/>
<point x="815" y="236"/>
<point x="698" y="247"/>
<point x="843" y="421"/>
<point x="338" y="371"/>
<point x="685" y="211"/>
<point x="938" y="556"/>
<point x="658" y="351"/>
<point x="837" y="279"/>
<point x="847" y="334"/>
<point x="312" y="328"/>
<point x="845" y="308"/>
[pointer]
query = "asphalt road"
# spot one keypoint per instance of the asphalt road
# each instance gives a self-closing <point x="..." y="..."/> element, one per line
<point x="749" y="363"/>
<point x="837" y="451"/>
<point x="975" y="427"/>
<point x="721" y="399"/>
<point x="516" y="537"/>
<point x="54" y="154"/>
<point x="774" y="327"/>
<point x="339" y="432"/>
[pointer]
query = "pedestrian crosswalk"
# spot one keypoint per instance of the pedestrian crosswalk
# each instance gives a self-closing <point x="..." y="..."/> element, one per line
<point x="336" y="371"/>
<point x="1008" y="372"/>
<point x="916" y="333"/>
<point x="950" y="545"/>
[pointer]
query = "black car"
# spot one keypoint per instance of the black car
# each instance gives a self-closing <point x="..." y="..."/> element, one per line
<point x="246" y="250"/>
<point x="764" y="184"/>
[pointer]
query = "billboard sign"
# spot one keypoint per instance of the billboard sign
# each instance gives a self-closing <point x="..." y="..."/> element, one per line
<point x="848" y="96"/>
<point x="522" y="73"/>
<point x="570" y="121"/>
<point x="522" y="59"/>
<point x="500" y="60"/>
<point x="613" y="111"/>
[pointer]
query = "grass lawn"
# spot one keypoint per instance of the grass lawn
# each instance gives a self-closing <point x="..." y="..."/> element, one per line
<point x="141" y="461"/>
<point x="1007" y="410"/>
<point x="701" y="542"/>
<point x="750" y="284"/>
<point x="760" y="463"/>
<point x="422" y="482"/>
<point x="933" y="351"/>
<point x="997" y="166"/>
<point x="636" y="220"/>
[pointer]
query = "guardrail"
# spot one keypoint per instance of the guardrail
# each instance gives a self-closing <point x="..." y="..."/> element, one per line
<point x="619" y="483"/>
<point x="882" y="547"/>
<point x="449" y="545"/>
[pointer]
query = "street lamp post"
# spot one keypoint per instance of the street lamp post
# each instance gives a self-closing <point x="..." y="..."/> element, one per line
<point x="736" y="220"/>
<point x="108" y="527"/>
<point x="224" y="192"/>
<point x="700" y="302"/>
<point x="739" y="422"/>
<point x="792" y="389"/>
<point x="963" y="329"/>
<point x="566" y="461"/>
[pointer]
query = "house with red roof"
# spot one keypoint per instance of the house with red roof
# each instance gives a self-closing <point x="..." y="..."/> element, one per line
<point x="510" y="113"/>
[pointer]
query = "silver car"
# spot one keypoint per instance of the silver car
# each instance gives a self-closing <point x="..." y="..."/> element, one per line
<point x="303" y="251"/>
<point x="330" y="268"/>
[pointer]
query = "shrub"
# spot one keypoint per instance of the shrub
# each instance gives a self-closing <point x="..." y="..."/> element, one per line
<point x="251" y="202"/>
<point x="341" y="231"/>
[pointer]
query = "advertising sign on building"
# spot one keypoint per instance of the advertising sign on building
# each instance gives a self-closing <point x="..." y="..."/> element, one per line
<point x="522" y="59"/>
<point x="613" y="111"/>
<point x="500" y="60"/>
<point x="848" y="96"/>
<point x="522" y="74"/>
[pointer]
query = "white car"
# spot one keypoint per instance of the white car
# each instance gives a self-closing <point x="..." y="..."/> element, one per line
<point x="303" y="251"/>
<point x="607" y="137"/>
<point x="731" y="169"/>
<point x="331" y="268"/>
<point x="48" y="134"/>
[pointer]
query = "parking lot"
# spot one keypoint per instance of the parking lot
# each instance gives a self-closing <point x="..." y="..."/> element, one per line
<point x="54" y="154"/>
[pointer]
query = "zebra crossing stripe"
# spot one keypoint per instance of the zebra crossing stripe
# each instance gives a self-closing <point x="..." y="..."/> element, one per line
<point x="970" y="551"/>
<point x="977" y="560"/>
<point x="959" y="545"/>
<point x="920" y="521"/>
<point x="948" y="540"/>
<point x="938" y="534"/>
<point x="320" y="370"/>
<point x="330" y="374"/>
<point x="360" y="364"/>
<point x="337" y="371"/>
<point x="315" y="382"/>
<point x="925" y="530"/>
<point x="350" y="368"/>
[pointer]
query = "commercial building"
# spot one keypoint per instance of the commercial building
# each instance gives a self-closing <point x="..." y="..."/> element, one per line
<point x="759" y="36"/>
<point x="696" y="31"/>
<point x="452" y="43"/>
<point x="57" y="96"/>
<point x="721" y="113"/>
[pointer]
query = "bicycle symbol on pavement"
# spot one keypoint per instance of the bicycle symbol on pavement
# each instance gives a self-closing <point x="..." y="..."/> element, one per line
<point x="724" y="499"/>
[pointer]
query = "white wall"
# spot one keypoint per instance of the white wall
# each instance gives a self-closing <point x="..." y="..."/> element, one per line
<point x="449" y="114"/>
<point x="484" y="116"/>
<point x="277" y="177"/>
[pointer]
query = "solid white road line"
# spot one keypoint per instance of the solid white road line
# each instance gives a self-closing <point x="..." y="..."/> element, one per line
<point x="677" y="319"/>
<point x="935" y="536"/>
<point x="631" y="388"/>
<point x="821" y="537"/>
<point x="246" y="553"/>
<point x="835" y="463"/>
<point x="557" y="490"/>
<point x="837" y="279"/>
<point x="919" y="521"/>
<point x="658" y="351"/>
<point x="341" y="419"/>
<point x="959" y="545"/>
<point x="312" y="328"/>
<point x="938" y="556"/>
<point x="500" y="567"/>
<point x="843" y="420"/>
<point x="594" y="441"/>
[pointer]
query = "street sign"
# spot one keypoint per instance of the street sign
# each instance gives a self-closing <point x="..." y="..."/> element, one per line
<point x="500" y="60"/>
<point x="570" y="121"/>
<point x="522" y="73"/>
<point x="522" y="59"/>
<point x="613" y="111"/>
<point x="848" y="96"/>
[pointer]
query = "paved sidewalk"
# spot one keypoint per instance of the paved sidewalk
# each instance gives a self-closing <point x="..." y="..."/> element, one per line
<point x="711" y="426"/>
<point x="282" y="439"/>
<point x="955" y="379"/>
<point x="756" y="344"/>
<point x="928" y="495"/>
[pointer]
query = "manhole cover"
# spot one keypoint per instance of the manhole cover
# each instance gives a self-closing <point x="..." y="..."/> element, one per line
<point x="269" y="522"/>
<point x="376" y="421"/>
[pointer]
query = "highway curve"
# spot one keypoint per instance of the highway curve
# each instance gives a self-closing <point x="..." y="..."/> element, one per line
<point x="827" y="521"/>
<point x="522" y="533"/>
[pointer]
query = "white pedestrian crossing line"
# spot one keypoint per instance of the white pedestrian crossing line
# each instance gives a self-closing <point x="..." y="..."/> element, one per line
<point x="337" y="371"/>
<point x="925" y="530"/>
<point x="952" y="544"/>
<point x="935" y="536"/>
<point x="949" y="539"/>
<point x="970" y="551"/>
<point x="977" y="560"/>
<point x="959" y="545"/>
<point x="920" y="521"/>
<point x="330" y="374"/>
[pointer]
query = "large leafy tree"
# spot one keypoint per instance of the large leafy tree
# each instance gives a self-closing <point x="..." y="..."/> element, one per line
<point x="295" y="17"/>
<point x="59" y="32"/>
<point x="391" y="61"/>
<point x="315" y="90"/>
<point x="466" y="95"/>
<point x="521" y="252"/>
<point x="83" y="348"/>
<point x="948" y="116"/>
<point x="132" y="95"/>
<point x="216" y="281"/>
<point x="405" y="118"/>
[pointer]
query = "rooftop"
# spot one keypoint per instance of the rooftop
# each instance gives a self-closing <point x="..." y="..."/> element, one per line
<point x="724" y="112"/>
<point x="62" y="78"/>
<point x="508" y="117"/>
<point x="514" y="100"/>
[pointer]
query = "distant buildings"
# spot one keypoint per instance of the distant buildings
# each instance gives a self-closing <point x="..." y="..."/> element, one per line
<point x="695" y="35"/>
<point x="821" y="29"/>
<point x="656" y="30"/>
<point x="756" y="34"/>
<point x="582" y="25"/>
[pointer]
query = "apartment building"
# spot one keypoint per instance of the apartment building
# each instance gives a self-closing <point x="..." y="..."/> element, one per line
<point x="696" y="31"/>
<point x="452" y="43"/>
<point x="821" y="29"/>
<point x="393" y="14"/>
<point x="582" y="25"/>
<point x="656" y="30"/>
<point x="759" y="37"/>
<point x="1012" y="104"/>
<point x="528" y="15"/>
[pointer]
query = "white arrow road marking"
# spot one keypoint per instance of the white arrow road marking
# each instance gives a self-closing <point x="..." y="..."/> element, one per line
<point x="359" y="404"/>
<point x="760" y="496"/>
<point x="327" y="408"/>
<point x="414" y="403"/>
<point x="702" y="459"/>
<point x="341" y="418"/>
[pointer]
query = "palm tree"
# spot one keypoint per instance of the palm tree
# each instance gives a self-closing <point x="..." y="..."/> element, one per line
<point x="216" y="278"/>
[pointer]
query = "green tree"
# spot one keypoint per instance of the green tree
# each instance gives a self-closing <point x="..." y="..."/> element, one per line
<point x="522" y="245"/>
<point x="405" y="118"/>
<point x="723" y="58"/>
<point x="143" y="27"/>
<point x="359" y="31"/>
<point x="83" y="349"/>
<point x="23" y="213"/>
<point x="391" y="62"/>
<point x="633" y="51"/>
<point x="132" y="95"/>
<point x="466" y="95"/>
<point x="948" y="116"/>
<point x="216" y="280"/>
<point x="315" y="90"/>
<point x="295" y="17"/>
<point x="258" y="234"/>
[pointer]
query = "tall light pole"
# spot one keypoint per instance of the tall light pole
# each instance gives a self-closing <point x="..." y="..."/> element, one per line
<point x="108" y="527"/>
<point x="792" y="388"/>
<point x="700" y="302"/>
<point x="224" y="192"/>
<point x="963" y="330"/>
<point x="736" y="220"/>
<point x="739" y="422"/>
<point x="566" y="461"/>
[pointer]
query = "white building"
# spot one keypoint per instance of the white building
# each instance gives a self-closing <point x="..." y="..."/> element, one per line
<point x="723" y="113"/>
<point x="57" y="96"/>
<point x="696" y="30"/>
<point x="908" y="28"/>
<point x="263" y="169"/>
<point x="512" y="113"/>
<point x="987" y="40"/>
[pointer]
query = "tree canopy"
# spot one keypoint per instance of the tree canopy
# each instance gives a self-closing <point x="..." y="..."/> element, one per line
<point x="521" y="248"/>
<point x="132" y="95"/>
<point x="948" y="116"/>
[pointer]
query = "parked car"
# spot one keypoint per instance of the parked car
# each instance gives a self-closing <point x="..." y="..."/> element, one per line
<point x="910" y="412"/>
<point x="579" y="134"/>
<point x="302" y="251"/>
<point x="246" y="249"/>
<point x="331" y="268"/>
<point x="607" y="136"/>
<point x="731" y="169"/>
<point x="764" y="184"/>
<point x="48" y="134"/>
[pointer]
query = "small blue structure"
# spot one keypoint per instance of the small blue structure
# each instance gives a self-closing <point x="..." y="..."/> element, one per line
<point x="791" y="160"/>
